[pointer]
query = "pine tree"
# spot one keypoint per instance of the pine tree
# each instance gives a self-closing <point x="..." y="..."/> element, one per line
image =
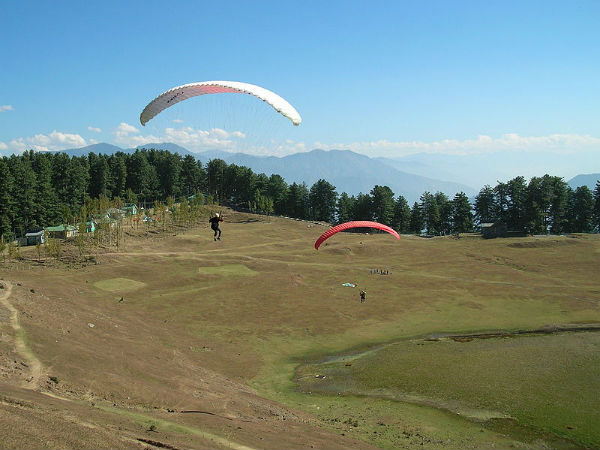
<point x="215" y="171"/>
<point x="277" y="191"/>
<point x="191" y="175"/>
<point x="23" y="193"/>
<point x="430" y="213"/>
<point x="462" y="217"/>
<point x="6" y="199"/>
<point x="383" y="204"/>
<point x="323" y="198"/>
<point x="501" y="203"/>
<point x="597" y="207"/>
<point x="515" y="212"/>
<point x="139" y="175"/>
<point x="78" y="177"/>
<point x="363" y="207"/>
<point x="118" y="174"/>
<point x="345" y="207"/>
<point x="402" y="215"/>
<point x="485" y="206"/>
<point x="99" y="176"/>
<point x="61" y="182"/>
<point x="168" y="169"/>
<point x="444" y="205"/>
<point x="47" y="200"/>
<point x="580" y="210"/>
<point x="297" y="201"/>
<point x="558" y="205"/>
<point x="416" y="219"/>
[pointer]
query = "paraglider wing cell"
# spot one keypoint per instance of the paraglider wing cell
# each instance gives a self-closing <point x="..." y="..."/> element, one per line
<point x="355" y="224"/>
<point x="180" y="93"/>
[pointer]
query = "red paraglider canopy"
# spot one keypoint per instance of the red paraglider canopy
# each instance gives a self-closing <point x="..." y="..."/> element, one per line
<point x="355" y="224"/>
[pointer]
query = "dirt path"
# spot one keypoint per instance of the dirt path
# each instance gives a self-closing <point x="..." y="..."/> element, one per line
<point x="35" y="367"/>
<point x="36" y="373"/>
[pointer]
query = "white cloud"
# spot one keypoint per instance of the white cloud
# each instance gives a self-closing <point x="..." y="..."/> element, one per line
<point x="197" y="140"/>
<point x="4" y="108"/>
<point x="481" y="144"/>
<point x="45" y="142"/>
<point x="193" y="139"/>
<point x="123" y="133"/>
<point x="125" y="128"/>
<point x="177" y="120"/>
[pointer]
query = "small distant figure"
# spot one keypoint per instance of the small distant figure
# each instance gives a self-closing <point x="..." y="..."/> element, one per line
<point x="214" y="224"/>
<point x="121" y="300"/>
<point x="363" y="296"/>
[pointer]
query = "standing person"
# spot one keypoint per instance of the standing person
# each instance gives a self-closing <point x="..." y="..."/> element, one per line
<point x="214" y="224"/>
<point x="363" y="296"/>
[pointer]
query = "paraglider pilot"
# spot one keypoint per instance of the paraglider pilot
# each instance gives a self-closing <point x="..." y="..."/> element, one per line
<point x="363" y="296"/>
<point x="214" y="224"/>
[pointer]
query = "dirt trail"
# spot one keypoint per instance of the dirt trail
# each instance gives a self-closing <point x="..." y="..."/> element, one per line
<point x="35" y="367"/>
<point x="36" y="373"/>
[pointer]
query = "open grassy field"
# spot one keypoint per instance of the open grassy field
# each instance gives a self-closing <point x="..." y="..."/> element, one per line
<point x="547" y="383"/>
<point x="253" y="342"/>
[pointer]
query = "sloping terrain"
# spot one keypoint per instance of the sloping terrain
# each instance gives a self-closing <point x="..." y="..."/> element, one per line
<point x="178" y="341"/>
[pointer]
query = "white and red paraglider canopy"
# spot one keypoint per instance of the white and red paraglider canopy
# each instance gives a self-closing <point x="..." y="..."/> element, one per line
<point x="180" y="93"/>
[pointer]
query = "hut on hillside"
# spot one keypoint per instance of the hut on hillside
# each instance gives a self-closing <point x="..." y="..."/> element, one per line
<point x="32" y="237"/>
<point x="61" y="231"/>
<point x="35" y="236"/>
<point x="493" y="230"/>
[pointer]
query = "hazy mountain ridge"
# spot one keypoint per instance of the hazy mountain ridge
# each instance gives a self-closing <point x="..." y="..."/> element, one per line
<point x="353" y="173"/>
<point x="479" y="169"/>
<point x="348" y="171"/>
<point x="102" y="148"/>
<point x="588" y="180"/>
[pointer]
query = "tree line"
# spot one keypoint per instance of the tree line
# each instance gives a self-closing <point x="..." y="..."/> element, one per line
<point x="39" y="189"/>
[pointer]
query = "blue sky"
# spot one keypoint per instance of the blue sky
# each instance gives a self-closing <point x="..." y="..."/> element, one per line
<point x="383" y="78"/>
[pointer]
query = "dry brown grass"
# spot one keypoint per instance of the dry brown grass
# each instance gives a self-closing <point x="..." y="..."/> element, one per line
<point x="202" y="321"/>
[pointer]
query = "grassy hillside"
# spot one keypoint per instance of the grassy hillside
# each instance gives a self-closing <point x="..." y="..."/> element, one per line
<point x="209" y="339"/>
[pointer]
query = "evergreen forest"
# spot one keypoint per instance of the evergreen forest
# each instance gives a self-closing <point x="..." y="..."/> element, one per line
<point x="41" y="189"/>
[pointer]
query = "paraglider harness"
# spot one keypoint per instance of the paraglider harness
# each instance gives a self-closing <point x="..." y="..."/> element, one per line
<point x="214" y="224"/>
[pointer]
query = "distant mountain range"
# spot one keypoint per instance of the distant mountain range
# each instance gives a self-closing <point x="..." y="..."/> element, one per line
<point x="489" y="168"/>
<point x="353" y="173"/>
<point x="348" y="171"/>
<point x="588" y="180"/>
